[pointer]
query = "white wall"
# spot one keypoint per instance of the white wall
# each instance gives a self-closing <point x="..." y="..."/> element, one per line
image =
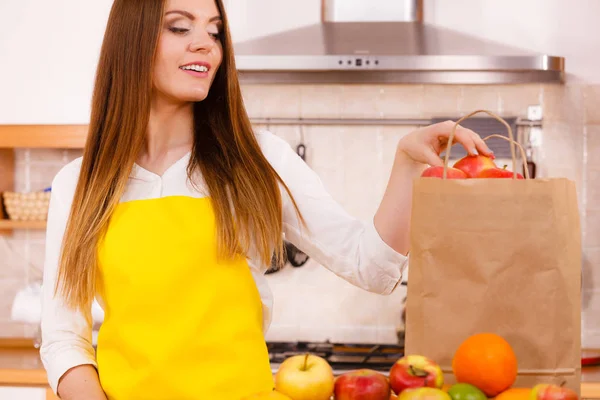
<point x="570" y="29"/>
<point x="49" y="50"/>
<point x="48" y="56"/>
<point x="254" y="18"/>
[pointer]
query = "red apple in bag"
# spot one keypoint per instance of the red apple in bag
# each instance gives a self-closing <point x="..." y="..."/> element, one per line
<point x="438" y="172"/>
<point x="498" y="173"/>
<point x="473" y="165"/>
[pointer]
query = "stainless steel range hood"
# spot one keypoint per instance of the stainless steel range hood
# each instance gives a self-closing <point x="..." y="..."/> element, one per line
<point x="360" y="41"/>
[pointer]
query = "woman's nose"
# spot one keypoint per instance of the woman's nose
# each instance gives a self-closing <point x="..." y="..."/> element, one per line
<point x="202" y="43"/>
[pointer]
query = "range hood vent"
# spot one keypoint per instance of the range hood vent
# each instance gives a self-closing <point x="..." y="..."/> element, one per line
<point x="351" y="46"/>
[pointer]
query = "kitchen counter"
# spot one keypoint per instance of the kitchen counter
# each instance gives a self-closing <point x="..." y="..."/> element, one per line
<point x="20" y="365"/>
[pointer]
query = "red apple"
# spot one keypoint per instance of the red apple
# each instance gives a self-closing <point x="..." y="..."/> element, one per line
<point x="362" y="384"/>
<point x="424" y="393"/>
<point x="438" y="172"/>
<point x="414" y="371"/>
<point x="305" y="377"/>
<point x="546" y="391"/>
<point x="473" y="165"/>
<point x="498" y="173"/>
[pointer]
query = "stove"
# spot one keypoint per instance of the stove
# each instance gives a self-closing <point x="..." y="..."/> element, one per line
<point x="342" y="357"/>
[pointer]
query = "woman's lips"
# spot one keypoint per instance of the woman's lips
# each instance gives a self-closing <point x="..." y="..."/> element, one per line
<point x="196" y="73"/>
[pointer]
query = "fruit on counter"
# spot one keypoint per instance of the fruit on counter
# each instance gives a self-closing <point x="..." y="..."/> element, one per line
<point x="473" y="165"/>
<point x="486" y="361"/>
<point x="268" y="395"/>
<point x="305" y="377"/>
<point x="498" y="173"/>
<point x="362" y="384"/>
<point x="466" y="391"/>
<point x="438" y="172"/>
<point x="414" y="371"/>
<point x="514" y="393"/>
<point x="546" y="391"/>
<point x="424" y="393"/>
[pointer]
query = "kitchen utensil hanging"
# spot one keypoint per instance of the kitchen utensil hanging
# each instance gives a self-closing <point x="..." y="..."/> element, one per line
<point x="301" y="148"/>
<point x="294" y="255"/>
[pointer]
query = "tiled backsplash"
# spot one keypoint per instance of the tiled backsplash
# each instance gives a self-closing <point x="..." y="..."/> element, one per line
<point x="310" y="302"/>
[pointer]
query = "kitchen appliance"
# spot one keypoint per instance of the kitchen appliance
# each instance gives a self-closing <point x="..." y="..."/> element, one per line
<point x="344" y="357"/>
<point x="341" y="356"/>
<point x="294" y="256"/>
<point x="368" y="41"/>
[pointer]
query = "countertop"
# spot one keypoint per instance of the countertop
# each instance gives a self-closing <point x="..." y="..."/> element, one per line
<point x="20" y="365"/>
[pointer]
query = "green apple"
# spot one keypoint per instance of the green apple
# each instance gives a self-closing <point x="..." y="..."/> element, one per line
<point x="466" y="391"/>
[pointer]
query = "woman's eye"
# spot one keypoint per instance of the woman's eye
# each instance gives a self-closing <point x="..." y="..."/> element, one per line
<point x="216" y="36"/>
<point x="178" y="30"/>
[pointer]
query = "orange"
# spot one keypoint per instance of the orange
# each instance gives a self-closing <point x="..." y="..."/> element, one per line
<point x="487" y="361"/>
<point x="514" y="394"/>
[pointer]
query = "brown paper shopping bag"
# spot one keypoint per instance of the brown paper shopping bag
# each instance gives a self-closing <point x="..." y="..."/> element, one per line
<point x="501" y="256"/>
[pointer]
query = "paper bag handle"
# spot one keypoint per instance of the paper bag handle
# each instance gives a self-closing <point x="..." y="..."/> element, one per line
<point x="511" y="140"/>
<point x="522" y="151"/>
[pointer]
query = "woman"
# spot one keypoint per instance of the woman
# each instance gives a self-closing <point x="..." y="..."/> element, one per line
<point x="172" y="215"/>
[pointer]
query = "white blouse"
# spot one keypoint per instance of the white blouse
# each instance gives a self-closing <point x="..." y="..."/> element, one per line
<point x="350" y="248"/>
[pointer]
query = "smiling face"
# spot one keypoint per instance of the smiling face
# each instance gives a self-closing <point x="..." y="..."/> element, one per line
<point x="189" y="50"/>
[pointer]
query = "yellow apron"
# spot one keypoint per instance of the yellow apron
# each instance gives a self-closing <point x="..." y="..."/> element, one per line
<point x="178" y="324"/>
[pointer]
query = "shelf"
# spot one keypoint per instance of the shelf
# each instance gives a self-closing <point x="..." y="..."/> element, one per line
<point x="43" y="136"/>
<point x="6" y="224"/>
<point x="32" y="137"/>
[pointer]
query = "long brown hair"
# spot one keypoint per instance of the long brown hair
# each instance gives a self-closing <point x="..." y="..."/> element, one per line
<point x="243" y="186"/>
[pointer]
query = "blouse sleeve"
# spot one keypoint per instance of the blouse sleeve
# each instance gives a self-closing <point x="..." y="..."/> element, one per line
<point x="66" y="334"/>
<point x="347" y="246"/>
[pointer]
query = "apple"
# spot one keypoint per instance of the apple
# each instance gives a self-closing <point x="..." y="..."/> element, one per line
<point x="438" y="172"/>
<point x="473" y="165"/>
<point x="362" y="384"/>
<point x="268" y="395"/>
<point x="305" y="377"/>
<point x="465" y="391"/>
<point x="424" y="393"/>
<point x="547" y="391"/>
<point x="414" y="371"/>
<point x="498" y="173"/>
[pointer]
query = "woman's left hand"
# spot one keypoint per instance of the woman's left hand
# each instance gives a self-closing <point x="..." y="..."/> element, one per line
<point x="424" y="145"/>
<point x="415" y="150"/>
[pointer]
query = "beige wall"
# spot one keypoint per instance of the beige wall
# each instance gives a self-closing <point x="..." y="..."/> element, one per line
<point x="310" y="302"/>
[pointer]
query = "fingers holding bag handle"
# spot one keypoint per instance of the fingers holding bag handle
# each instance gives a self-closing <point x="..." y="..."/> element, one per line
<point x="510" y="134"/>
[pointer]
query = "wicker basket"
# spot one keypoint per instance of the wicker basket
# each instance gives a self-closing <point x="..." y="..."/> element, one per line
<point x="27" y="206"/>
